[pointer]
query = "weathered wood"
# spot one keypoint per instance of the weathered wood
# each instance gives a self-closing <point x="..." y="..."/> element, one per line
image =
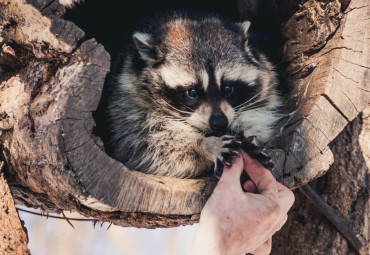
<point x="13" y="237"/>
<point x="327" y="49"/>
<point x="345" y="188"/>
<point x="51" y="81"/>
<point x="53" y="97"/>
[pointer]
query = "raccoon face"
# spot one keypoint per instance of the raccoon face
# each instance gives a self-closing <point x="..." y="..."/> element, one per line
<point x="202" y="72"/>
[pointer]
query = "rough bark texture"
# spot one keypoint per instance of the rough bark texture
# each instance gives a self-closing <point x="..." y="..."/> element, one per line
<point x="13" y="236"/>
<point x="346" y="189"/>
<point x="51" y="80"/>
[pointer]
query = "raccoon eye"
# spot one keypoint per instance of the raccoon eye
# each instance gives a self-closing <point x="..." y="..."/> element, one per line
<point x="193" y="92"/>
<point x="228" y="89"/>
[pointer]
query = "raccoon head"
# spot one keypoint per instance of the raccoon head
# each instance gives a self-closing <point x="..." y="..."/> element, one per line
<point x="202" y="71"/>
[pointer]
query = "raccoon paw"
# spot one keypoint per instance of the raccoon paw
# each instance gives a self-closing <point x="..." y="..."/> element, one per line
<point x="229" y="149"/>
<point x="255" y="151"/>
<point x="222" y="149"/>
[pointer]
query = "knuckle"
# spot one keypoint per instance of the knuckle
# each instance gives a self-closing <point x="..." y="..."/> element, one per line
<point x="274" y="211"/>
<point x="266" y="179"/>
<point x="266" y="175"/>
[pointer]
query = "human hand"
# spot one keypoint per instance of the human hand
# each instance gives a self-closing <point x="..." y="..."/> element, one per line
<point x="236" y="222"/>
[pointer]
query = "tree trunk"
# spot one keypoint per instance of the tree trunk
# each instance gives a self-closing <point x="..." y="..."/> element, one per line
<point x="13" y="235"/>
<point x="346" y="189"/>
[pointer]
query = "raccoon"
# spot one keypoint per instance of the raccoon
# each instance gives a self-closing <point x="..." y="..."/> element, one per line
<point x="187" y="86"/>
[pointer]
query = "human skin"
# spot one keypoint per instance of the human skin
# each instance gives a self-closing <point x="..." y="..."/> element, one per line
<point x="235" y="222"/>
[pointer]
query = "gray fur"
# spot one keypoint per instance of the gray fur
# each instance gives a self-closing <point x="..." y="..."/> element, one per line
<point x="152" y="131"/>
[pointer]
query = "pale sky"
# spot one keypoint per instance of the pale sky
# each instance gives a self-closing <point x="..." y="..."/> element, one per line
<point x="48" y="236"/>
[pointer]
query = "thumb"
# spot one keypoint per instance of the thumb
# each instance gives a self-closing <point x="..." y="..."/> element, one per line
<point x="232" y="174"/>
<point x="261" y="177"/>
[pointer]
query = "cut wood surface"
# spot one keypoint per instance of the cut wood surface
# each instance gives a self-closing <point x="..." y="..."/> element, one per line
<point x="51" y="81"/>
<point x="328" y="49"/>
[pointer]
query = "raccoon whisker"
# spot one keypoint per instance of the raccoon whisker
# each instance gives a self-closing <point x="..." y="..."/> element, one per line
<point x="176" y="118"/>
<point x="191" y="110"/>
<point x="246" y="102"/>
<point x="178" y="110"/>
<point x="252" y="106"/>
<point x="248" y="109"/>
<point x="250" y="99"/>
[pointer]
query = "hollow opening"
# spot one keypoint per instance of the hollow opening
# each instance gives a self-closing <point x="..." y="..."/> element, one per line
<point x="113" y="23"/>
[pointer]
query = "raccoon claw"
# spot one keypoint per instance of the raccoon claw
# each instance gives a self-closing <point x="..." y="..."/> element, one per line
<point x="263" y="158"/>
<point x="270" y="165"/>
<point x="219" y="168"/>
<point x="234" y="153"/>
<point x="226" y="159"/>
<point x="234" y="140"/>
<point x="255" y="151"/>
<point x="248" y="140"/>
<point x="230" y="147"/>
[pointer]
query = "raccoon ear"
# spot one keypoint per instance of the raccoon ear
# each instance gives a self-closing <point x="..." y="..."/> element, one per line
<point x="245" y="27"/>
<point x="145" y="47"/>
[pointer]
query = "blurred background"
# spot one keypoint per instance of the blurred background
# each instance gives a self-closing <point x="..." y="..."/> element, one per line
<point x="55" y="236"/>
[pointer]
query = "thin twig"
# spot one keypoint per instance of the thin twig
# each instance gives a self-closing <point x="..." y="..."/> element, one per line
<point x="64" y="216"/>
<point x="55" y="217"/>
<point x="110" y="224"/>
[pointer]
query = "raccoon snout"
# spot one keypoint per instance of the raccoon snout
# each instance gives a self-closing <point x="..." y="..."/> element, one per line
<point x="218" y="122"/>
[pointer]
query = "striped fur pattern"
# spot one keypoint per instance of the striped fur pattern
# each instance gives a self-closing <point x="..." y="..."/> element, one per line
<point x="187" y="85"/>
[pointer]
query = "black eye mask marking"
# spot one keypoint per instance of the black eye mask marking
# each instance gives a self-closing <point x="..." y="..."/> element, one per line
<point x="238" y="92"/>
<point x="185" y="98"/>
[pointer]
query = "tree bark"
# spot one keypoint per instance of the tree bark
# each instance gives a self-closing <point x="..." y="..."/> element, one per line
<point x="345" y="188"/>
<point x="13" y="235"/>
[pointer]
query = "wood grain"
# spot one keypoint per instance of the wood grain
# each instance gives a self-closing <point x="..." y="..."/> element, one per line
<point x="337" y="45"/>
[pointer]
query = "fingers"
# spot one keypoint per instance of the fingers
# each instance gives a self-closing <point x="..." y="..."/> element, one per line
<point x="249" y="186"/>
<point x="232" y="174"/>
<point x="261" y="177"/>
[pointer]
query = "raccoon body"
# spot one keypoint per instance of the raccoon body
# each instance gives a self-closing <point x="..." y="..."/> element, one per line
<point x="186" y="87"/>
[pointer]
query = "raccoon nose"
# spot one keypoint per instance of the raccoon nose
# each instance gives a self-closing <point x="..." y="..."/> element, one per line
<point x="218" y="122"/>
